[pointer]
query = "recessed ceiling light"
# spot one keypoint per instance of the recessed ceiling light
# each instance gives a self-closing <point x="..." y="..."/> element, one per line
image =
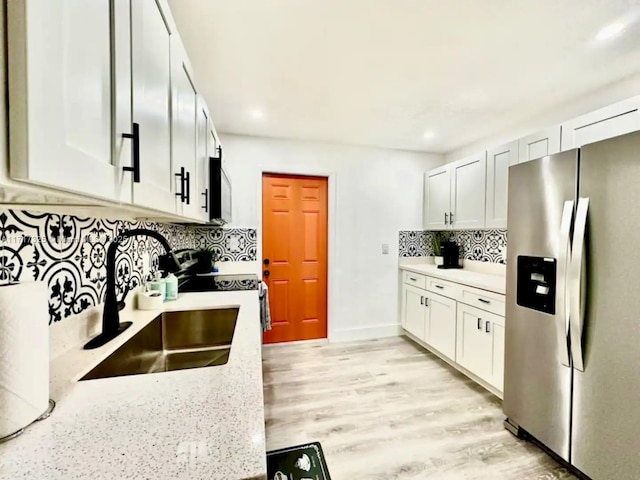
<point x="610" y="31"/>
<point x="257" y="114"/>
<point x="429" y="134"/>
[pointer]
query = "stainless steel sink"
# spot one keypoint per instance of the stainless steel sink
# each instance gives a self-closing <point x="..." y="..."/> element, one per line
<point x="173" y="341"/>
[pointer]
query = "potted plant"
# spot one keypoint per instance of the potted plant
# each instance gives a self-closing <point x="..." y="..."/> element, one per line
<point x="436" y="242"/>
<point x="206" y="260"/>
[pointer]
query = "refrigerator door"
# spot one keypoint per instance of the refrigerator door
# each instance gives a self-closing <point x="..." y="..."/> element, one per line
<point x="606" y="418"/>
<point x="537" y="391"/>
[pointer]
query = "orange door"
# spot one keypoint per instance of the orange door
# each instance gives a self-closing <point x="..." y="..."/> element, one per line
<point x="294" y="252"/>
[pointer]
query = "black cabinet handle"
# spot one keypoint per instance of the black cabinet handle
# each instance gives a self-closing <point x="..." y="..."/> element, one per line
<point x="187" y="181"/>
<point x="487" y="327"/>
<point x="135" y="152"/>
<point x="451" y="218"/>
<point x="182" y="192"/>
<point x="426" y="301"/>
<point x="206" y="199"/>
<point x="266" y="261"/>
<point x="484" y="301"/>
<point x="421" y="300"/>
<point x="438" y="286"/>
<point x="446" y="219"/>
<point x="479" y="324"/>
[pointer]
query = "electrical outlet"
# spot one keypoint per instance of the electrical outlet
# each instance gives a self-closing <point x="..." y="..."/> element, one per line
<point x="146" y="265"/>
<point x="385" y="249"/>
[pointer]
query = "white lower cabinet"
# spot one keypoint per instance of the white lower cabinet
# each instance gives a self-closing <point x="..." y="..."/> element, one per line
<point x="441" y="324"/>
<point x="413" y="311"/>
<point x="468" y="337"/>
<point x="480" y="344"/>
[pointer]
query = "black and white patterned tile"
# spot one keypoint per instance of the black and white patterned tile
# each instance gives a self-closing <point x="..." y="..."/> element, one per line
<point x="69" y="254"/>
<point x="478" y="245"/>
<point x="415" y="243"/>
<point x="231" y="244"/>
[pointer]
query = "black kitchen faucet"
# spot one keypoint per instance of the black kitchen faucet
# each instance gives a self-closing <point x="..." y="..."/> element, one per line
<point x="111" y="326"/>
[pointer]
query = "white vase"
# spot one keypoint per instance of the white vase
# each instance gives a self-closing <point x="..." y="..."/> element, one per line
<point x="438" y="260"/>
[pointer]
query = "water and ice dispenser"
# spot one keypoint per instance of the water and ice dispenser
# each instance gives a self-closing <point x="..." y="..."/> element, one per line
<point x="537" y="283"/>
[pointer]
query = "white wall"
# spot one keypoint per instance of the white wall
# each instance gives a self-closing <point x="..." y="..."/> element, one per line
<point x="377" y="193"/>
<point x="585" y="103"/>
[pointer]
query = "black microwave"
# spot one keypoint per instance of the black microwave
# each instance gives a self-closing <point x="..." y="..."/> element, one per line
<point x="220" y="188"/>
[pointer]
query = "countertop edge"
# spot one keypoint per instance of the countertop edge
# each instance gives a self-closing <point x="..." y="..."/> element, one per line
<point x="432" y="271"/>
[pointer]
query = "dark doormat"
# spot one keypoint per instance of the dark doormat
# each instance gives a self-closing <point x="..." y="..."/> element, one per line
<point x="303" y="462"/>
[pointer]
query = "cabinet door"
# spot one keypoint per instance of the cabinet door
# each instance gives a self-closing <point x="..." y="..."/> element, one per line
<point x="497" y="371"/>
<point x="608" y="122"/>
<point x="437" y="198"/>
<point x="499" y="159"/>
<point x="468" y="186"/>
<point x="474" y="344"/>
<point x="441" y="324"/>
<point x="61" y="96"/>
<point x="414" y="311"/>
<point x="540" y="144"/>
<point x="151" y="31"/>
<point x="184" y="133"/>
<point x="204" y="150"/>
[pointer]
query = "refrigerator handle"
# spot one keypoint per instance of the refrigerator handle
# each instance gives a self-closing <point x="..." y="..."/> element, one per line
<point x="562" y="292"/>
<point x="577" y="280"/>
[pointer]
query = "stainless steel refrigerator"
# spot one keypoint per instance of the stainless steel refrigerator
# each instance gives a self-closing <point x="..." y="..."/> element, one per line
<point x="572" y="360"/>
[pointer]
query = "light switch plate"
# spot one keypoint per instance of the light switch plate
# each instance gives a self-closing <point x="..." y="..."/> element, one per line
<point x="385" y="249"/>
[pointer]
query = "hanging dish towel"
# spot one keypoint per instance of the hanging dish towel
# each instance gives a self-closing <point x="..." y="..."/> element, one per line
<point x="265" y="314"/>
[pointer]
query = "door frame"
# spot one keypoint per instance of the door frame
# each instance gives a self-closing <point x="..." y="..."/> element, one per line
<point x="331" y="226"/>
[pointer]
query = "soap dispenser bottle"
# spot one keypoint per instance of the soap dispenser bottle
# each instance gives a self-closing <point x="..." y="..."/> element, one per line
<point x="172" y="287"/>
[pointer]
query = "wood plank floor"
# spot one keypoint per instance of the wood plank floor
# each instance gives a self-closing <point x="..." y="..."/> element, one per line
<point x="388" y="409"/>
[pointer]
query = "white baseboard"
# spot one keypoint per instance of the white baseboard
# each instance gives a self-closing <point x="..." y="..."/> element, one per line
<point x="365" y="333"/>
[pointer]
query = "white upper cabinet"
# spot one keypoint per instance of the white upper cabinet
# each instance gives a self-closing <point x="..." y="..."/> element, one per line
<point x="151" y="32"/>
<point x="540" y="144"/>
<point x="205" y="147"/>
<point x="499" y="159"/>
<point x="185" y="119"/>
<point x="437" y="198"/>
<point x="61" y="96"/>
<point x="608" y="122"/>
<point x="468" y="178"/>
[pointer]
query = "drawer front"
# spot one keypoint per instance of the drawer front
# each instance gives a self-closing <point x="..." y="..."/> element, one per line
<point x="488" y="301"/>
<point x="415" y="279"/>
<point x="442" y="287"/>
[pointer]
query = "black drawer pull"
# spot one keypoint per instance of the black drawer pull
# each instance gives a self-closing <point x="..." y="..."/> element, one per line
<point x="479" y="324"/>
<point x="486" y="327"/>
<point x="439" y="286"/>
<point x="484" y="301"/>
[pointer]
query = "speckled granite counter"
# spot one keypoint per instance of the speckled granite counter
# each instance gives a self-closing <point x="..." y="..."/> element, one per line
<point x="203" y="423"/>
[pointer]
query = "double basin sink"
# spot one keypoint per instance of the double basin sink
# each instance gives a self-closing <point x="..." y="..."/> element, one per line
<point x="173" y="341"/>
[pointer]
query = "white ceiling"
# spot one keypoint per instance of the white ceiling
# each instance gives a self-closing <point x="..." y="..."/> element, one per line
<point x="382" y="72"/>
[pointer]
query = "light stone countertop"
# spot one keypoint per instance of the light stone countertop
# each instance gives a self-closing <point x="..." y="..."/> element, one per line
<point x="200" y="423"/>
<point x="493" y="282"/>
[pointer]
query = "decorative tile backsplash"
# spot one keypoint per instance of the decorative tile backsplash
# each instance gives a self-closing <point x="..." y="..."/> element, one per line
<point x="479" y="245"/>
<point x="231" y="244"/>
<point x="69" y="254"/>
<point x="415" y="243"/>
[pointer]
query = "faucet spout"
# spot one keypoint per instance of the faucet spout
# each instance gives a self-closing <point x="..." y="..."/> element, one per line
<point x="111" y="326"/>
